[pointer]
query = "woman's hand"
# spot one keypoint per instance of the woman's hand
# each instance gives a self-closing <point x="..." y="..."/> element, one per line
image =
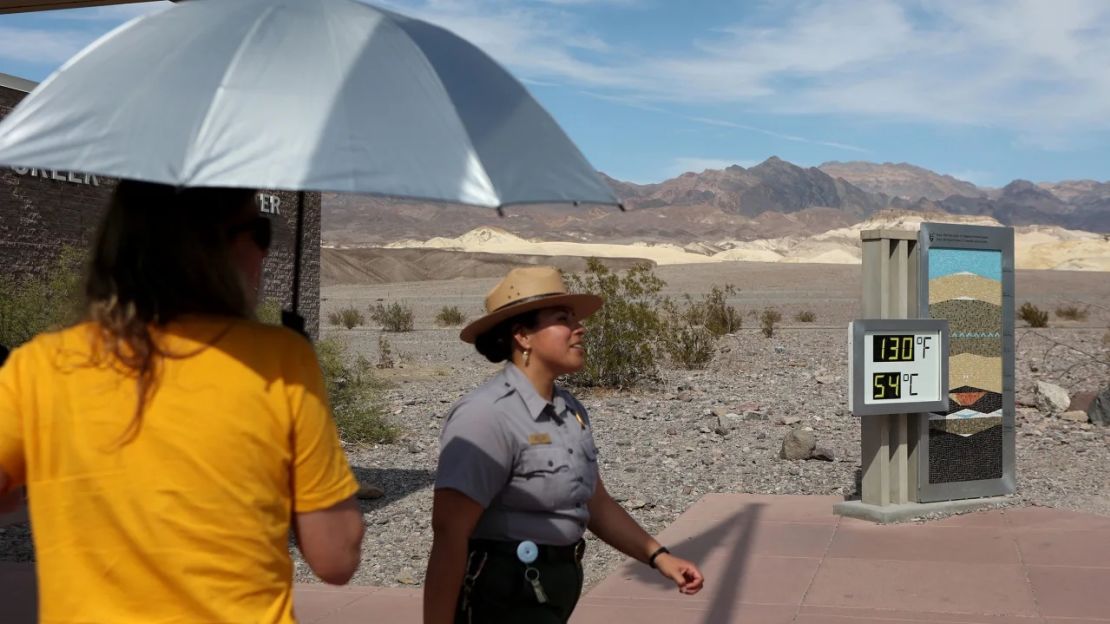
<point x="684" y="573"/>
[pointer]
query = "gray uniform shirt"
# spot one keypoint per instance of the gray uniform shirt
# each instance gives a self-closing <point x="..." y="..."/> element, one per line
<point x="531" y="464"/>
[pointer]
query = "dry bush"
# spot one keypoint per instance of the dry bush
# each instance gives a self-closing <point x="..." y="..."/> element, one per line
<point x="1032" y="315"/>
<point x="268" y="312"/>
<point x="805" y="316"/>
<point x="713" y="312"/>
<point x="349" y="317"/>
<point x="689" y="346"/>
<point x="1071" y="313"/>
<point x="385" y="352"/>
<point x="357" y="398"/>
<point x="33" y="304"/>
<point x="449" y="316"/>
<point x="623" y="333"/>
<point x="767" y="320"/>
<point x="395" y="317"/>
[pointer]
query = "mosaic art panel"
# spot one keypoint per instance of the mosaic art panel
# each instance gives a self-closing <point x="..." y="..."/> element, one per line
<point x="954" y="457"/>
<point x="965" y="443"/>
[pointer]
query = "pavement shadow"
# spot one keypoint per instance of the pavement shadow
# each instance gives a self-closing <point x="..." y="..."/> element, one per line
<point x="737" y="532"/>
<point x="397" y="483"/>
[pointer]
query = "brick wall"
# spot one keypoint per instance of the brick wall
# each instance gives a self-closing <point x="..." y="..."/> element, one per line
<point x="41" y="211"/>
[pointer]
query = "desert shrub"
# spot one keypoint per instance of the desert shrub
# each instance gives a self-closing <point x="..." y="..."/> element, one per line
<point x="385" y="352"/>
<point x="449" y="316"/>
<point x="32" y="304"/>
<point x="767" y="320"/>
<point x="269" y="312"/>
<point x="1071" y="313"/>
<point x="349" y="317"/>
<point x="713" y="312"/>
<point x="395" y="317"/>
<point x="1032" y="315"/>
<point x="689" y="346"/>
<point x="355" y="395"/>
<point x="805" y="316"/>
<point x="623" y="334"/>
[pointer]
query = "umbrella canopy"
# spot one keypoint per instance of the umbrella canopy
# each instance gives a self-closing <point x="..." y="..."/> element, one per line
<point x="321" y="95"/>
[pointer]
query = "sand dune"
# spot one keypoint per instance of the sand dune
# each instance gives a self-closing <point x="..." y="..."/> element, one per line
<point x="965" y="285"/>
<point x="977" y="371"/>
<point x="1035" y="247"/>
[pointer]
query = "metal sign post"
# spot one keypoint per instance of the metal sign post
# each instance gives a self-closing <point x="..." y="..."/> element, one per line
<point x="895" y="458"/>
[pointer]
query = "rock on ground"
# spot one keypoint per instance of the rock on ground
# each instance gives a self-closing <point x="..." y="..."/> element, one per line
<point x="1051" y="399"/>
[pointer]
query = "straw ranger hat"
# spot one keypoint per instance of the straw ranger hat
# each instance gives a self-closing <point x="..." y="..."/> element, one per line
<point x="524" y="290"/>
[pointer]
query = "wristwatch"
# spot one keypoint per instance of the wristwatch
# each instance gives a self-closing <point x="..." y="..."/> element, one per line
<point x="658" y="551"/>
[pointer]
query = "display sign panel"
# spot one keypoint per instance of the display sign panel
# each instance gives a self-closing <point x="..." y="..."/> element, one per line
<point x="966" y="276"/>
<point x="897" y="366"/>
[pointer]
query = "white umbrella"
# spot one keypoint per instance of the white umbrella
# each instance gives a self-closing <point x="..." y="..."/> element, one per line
<point x="321" y="95"/>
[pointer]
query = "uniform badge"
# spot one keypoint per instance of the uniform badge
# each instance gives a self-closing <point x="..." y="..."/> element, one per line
<point x="539" y="438"/>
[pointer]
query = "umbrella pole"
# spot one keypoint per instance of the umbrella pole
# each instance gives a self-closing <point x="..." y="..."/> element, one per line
<point x="292" y="318"/>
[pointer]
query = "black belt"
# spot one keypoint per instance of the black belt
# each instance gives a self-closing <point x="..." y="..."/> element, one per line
<point x="548" y="553"/>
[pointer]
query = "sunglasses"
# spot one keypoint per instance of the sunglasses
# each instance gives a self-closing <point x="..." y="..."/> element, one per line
<point x="259" y="228"/>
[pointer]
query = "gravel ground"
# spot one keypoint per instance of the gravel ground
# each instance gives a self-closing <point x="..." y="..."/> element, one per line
<point x="662" y="447"/>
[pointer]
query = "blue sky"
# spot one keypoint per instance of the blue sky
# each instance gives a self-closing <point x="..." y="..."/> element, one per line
<point x="984" y="90"/>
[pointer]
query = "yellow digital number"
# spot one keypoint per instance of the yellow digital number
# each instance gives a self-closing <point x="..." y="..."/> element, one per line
<point x="892" y="348"/>
<point x="896" y="386"/>
<point x="881" y="389"/>
<point x="907" y="348"/>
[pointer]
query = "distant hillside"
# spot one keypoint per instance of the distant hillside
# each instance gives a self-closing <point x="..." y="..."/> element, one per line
<point x="900" y="180"/>
<point x="771" y="200"/>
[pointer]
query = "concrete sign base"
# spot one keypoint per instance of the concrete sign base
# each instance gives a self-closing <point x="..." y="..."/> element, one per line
<point x="892" y="514"/>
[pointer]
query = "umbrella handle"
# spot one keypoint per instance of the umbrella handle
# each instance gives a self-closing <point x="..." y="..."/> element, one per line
<point x="294" y="321"/>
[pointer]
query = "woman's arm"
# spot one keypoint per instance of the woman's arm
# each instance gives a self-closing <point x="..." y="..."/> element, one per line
<point x="454" y="516"/>
<point x="610" y="522"/>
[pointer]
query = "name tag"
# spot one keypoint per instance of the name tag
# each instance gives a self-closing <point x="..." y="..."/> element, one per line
<point x="539" y="438"/>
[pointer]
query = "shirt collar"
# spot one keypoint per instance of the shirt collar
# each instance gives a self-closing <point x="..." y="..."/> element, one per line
<point x="535" y="403"/>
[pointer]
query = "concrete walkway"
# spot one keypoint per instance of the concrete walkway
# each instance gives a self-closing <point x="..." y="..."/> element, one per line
<point x="788" y="559"/>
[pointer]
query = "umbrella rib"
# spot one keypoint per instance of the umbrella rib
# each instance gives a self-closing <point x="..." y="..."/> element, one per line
<point x="188" y="165"/>
<point x="447" y="94"/>
<point x="335" y="63"/>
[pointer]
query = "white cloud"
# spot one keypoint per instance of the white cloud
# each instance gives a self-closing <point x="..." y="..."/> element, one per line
<point x="1027" y="65"/>
<point x="115" y="13"/>
<point x="683" y="164"/>
<point x="1030" y="66"/>
<point x="778" y="135"/>
<point x="78" y="28"/>
<point x="589" y="2"/>
<point x="41" y="46"/>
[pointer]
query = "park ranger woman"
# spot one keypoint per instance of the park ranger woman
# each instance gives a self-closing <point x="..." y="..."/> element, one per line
<point x="518" y="482"/>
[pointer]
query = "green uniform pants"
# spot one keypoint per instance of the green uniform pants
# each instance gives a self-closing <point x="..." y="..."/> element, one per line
<point x="501" y="595"/>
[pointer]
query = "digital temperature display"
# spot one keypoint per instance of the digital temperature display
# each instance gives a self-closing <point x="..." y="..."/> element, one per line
<point x="886" y="386"/>
<point x="892" y="349"/>
<point x="898" y="366"/>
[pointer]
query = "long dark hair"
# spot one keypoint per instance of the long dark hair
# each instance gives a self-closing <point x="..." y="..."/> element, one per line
<point x="160" y="253"/>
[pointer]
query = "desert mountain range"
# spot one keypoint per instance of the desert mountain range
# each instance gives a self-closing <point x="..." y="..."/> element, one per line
<point x="772" y="212"/>
<point x="774" y="199"/>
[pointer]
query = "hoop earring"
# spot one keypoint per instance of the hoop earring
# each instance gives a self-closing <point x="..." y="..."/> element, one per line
<point x="527" y="356"/>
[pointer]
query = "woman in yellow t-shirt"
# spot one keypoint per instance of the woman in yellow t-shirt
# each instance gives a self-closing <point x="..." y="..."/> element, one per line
<point x="168" y="443"/>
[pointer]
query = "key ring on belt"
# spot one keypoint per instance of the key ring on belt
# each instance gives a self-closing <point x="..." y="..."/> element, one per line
<point x="468" y="580"/>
